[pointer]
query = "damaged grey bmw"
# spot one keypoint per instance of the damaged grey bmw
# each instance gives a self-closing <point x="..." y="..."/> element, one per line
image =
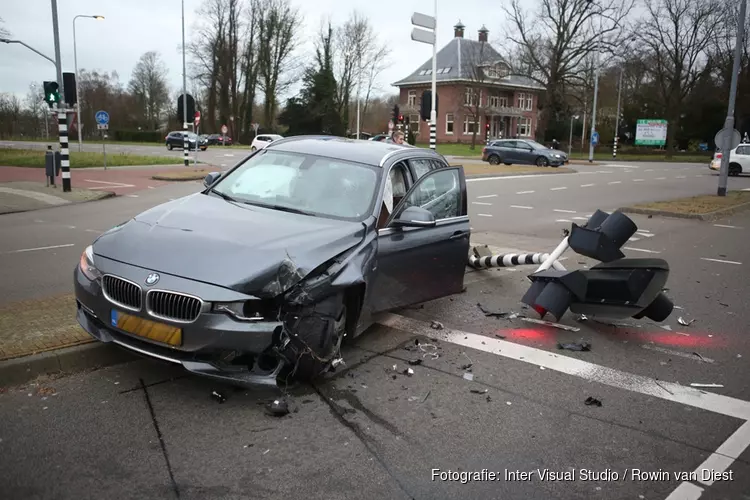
<point x="263" y="274"/>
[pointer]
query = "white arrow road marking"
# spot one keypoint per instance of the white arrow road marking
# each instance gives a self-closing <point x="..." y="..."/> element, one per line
<point x="587" y="185"/>
<point x="524" y="192"/>
<point x="109" y="185"/>
<point x="41" y="248"/>
<point x="722" y="261"/>
<point x="521" y="206"/>
<point x="564" y="211"/>
<point x="488" y="196"/>
<point x="640" y="250"/>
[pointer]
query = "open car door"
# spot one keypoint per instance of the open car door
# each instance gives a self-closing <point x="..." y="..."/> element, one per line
<point x="424" y="247"/>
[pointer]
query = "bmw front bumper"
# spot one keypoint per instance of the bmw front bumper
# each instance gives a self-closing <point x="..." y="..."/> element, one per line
<point x="214" y="345"/>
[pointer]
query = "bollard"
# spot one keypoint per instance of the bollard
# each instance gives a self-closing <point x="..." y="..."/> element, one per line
<point x="49" y="166"/>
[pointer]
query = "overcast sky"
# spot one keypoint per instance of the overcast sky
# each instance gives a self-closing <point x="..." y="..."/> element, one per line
<point x="132" y="27"/>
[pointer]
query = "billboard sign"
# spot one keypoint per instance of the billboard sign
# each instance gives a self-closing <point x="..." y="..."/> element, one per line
<point x="651" y="133"/>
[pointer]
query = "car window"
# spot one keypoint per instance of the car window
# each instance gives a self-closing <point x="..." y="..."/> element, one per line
<point x="743" y="150"/>
<point x="440" y="193"/>
<point x="421" y="166"/>
<point x="316" y="185"/>
<point x="263" y="138"/>
<point x="507" y="144"/>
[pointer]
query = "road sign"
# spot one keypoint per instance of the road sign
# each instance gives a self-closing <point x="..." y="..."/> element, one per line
<point x="595" y="138"/>
<point x="722" y="134"/>
<point x="423" y="36"/>
<point x="102" y="126"/>
<point x="651" y="132"/>
<point x="423" y="21"/>
<point x="197" y="118"/>
<point x="102" y="118"/>
<point x="224" y="129"/>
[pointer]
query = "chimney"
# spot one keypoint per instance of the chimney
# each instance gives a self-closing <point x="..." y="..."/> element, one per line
<point x="483" y="34"/>
<point x="458" y="30"/>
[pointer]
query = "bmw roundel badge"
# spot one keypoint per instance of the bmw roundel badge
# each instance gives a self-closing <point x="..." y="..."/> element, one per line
<point x="152" y="278"/>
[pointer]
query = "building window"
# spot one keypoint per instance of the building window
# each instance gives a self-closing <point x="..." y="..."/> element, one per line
<point x="494" y="101"/>
<point x="414" y="122"/>
<point x="469" y="125"/>
<point x="470" y="97"/>
<point x="412" y="99"/>
<point x="503" y="102"/>
<point x="525" y="101"/>
<point x="524" y="127"/>
<point x="529" y="102"/>
<point x="491" y="73"/>
<point x="449" y="123"/>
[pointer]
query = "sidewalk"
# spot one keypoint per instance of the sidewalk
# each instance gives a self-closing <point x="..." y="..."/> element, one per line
<point x="23" y="196"/>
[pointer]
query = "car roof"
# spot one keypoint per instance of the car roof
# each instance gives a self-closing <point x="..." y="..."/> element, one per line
<point x="341" y="148"/>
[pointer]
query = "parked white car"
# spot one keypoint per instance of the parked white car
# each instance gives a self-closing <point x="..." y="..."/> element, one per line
<point x="739" y="160"/>
<point x="261" y="141"/>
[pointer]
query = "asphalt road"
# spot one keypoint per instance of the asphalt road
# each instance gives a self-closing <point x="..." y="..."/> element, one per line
<point x="215" y="155"/>
<point x="146" y="430"/>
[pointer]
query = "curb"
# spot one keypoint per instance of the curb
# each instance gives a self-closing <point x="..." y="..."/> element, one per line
<point x="107" y="194"/>
<point x="710" y="216"/>
<point x="63" y="361"/>
<point x="509" y="174"/>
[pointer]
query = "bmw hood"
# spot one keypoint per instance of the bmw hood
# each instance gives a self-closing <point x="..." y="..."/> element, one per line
<point x="252" y="250"/>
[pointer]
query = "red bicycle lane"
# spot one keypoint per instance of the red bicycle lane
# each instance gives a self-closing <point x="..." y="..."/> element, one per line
<point x="120" y="180"/>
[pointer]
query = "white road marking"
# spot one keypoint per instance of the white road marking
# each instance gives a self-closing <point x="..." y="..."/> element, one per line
<point x="604" y="171"/>
<point x="638" y="180"/>
<point x="92" y="231"/>
<point x="524" y="192"/>
<point x="114" y="185"/>
<point x="521" y="206"/>
<point x="132" y="196"/>
<point x="674" y="392"/>
<point x="484" y="215"/>
<point x="620" y="166"/>
<point x="719" y="461"/>
<point x="722" y="261"/>
<point x="580" y="218"/>
<point x="672" y="352"/>
<point x="615" y="182"/>
<point x="502" y="177"/>
<point x="480" y="203"/>
<point x="680" y="177"/>
<point x="488" y="196"/>
<point x="730" y="227"/>
<point x="587" y="185"/>
<point x="649" y="170"/>
<point x="151" y="187"/>
<point x="564" y="211"/>
<point x="644" y="234"/>
<point x="699" y="175"/>
<point x="227" y="154"/>
<point x="640" y="250"/>
<point x="644" y="231"/>
<point x="557" y="188"/>
<point x="661" y="178"/>
<point x="634" y="239"/>
<point x="41" y="248"/>
<point x="563" y="220"/>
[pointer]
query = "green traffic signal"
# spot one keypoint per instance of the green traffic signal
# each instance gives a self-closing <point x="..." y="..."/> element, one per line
<point x="51" y="94"/>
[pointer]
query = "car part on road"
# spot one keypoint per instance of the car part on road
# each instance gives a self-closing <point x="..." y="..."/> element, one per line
<point x="218" y="397"/>
<point x="482" y="258"/>
<point x="684" y="322"/>
<point x="278" y="408"/>
<point x="590" y="401"/>
<point x="575" y="346"/>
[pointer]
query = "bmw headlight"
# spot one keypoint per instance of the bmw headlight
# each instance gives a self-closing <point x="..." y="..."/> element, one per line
<point x="87" y="264"/>
<point x="556" y="155"/>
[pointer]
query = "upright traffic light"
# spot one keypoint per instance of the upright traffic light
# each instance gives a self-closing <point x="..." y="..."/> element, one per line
<point x="617" y="288"/>
<point x="69" y="88"/>
<point x="396" y="114"/>
<point x="51" y="93"/>
<point x="426" y="107"/>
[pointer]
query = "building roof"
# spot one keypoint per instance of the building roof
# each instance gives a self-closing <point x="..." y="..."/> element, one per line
<point x="455" y="62"/>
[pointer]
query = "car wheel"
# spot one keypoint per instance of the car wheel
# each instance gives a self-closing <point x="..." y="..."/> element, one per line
<point x="253" y="148"/>
<point x="494" y="160"/>
<point x="542" y="162"/>
<point x="318" y="339"/>
<point x="735" y="169"/>
<point x="169" y="147"/>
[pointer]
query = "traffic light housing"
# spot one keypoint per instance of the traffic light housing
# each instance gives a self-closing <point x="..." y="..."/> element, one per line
<point x="52" y="93"/>
<point x="190" y="108"/>
<point x="426" y="107"/>
<point x="616" y="288"/>
<point x="69" y="88"/>
<point x="396" y="114"/>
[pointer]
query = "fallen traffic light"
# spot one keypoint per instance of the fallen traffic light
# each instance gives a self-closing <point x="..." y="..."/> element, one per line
<point x="602" y="236"/>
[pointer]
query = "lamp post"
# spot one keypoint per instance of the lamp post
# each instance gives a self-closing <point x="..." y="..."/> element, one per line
<point x="570" y="141"/>
<point x="359" y="86"/>
<point x="75" y="58"/>
<point x="617" y="118"/>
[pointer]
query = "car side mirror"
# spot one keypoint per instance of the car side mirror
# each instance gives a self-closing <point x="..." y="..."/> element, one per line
<point x="211" y="178"/>
<point x="415" y="217"/>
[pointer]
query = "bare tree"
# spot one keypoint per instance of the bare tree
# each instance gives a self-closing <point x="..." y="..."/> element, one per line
<point x="249" y="67"/>
<point x="278" y="25"/>
<point x="556" y="40"/>
<point x="677" y="34"/>
<point x="3" y="30"/>
<point x="34" y="104"/>
<point x="148" y="84"/>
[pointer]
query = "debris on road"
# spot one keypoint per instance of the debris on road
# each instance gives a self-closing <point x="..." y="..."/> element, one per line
<point x="437" y="325"/>
<point x="426" y="396"/>
<point x="581" y="317"/>
<point x="219" y="397"/>
<point x="683" y="334"/>
<point x="469" y="376"/>
<point x="408" y="372"/>
<point x="499" y="336"/>
<point x="415" y="362"/>
<point x="575" y="346"/>
<point x="619" y="324"/>
<point x="550" y="323"/>
<point x="706" y="385"/>
<point x="723" y="304"/>
<point x="592" y="402"/>
<point x="491" y="313"/>
<point x="478" y="391"/>
<point x="278" y="408"/>
<point x="429" y="350"/>
<point x="684" y="322"/>
<point x="666" y="327"/>
<point x="515" y="315"/>
<point x="701" y="357"/>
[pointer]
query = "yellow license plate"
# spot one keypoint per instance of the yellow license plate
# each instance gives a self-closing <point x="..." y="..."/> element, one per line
<point x="159" y="332"/>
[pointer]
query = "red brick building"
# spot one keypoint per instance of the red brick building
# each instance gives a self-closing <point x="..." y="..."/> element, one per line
<point x="475" y="87"/>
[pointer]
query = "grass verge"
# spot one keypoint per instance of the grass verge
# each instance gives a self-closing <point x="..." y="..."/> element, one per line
<point x="697" y="207"/>
<point x="34" y="158"/>
<point x="187" y="175"/>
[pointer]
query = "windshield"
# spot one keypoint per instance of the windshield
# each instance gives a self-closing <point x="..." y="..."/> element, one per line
<point x="314" y="185"/>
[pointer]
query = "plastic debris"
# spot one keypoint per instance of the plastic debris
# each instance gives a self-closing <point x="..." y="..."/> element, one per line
<point x="592" y="402"/>
<point x="437" y="325"/>
<point x="549" y="323"/>
<point x="706" y="385"/>
<point x="478" y="391"/>
<point x="581" y="317"/>
<point x="685" y="322"/>
<point x="499" y="336"/>
<point x="415" y="362"/>
<point x="429" y="350"/>
<point x="278" y="407"/>
<point x="467" y="367"/>
<point x="468" y="376"/>
<point x="575" y="346"/>
<point x="409" y="372"/>
<point x="666" y="327"/>
<point x="508" y="403"/>
<point x="219" y="397"/>
<point x="701" y="357"/>
<point x="336" y="362"/>
<point x="491" y="313"/>
<point x="426" y="396"/>
<point x="395" y="368"/>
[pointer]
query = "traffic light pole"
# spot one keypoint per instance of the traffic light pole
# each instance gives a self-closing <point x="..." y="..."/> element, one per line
<point x="433" y="111"/>
<point x="62" y="117"/>
<point x="186" y="142"/>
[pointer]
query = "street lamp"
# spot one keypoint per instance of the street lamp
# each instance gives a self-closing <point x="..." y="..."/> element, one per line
<point x="75" y="58"/>
<point x="570" y="141"/>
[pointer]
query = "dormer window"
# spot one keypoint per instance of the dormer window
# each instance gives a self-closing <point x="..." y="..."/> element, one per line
<point x="497" y="71"/>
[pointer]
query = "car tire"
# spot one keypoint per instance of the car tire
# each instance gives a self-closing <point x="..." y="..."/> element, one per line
<point x="494" y="160"/>
<point x="169" y="147"/>
<point x="253" y="149"/>
<point x="735" y="169"/>
<point x="541" y="161"/>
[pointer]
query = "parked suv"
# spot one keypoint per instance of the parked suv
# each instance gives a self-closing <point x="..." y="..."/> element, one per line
<point x="176" y="139"/>
<point x="522" y="152"/>
<point x="263" y="140"/>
